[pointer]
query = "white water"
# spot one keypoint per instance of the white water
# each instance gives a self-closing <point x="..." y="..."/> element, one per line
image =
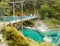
<point x="43" y="27"/>
<point x="47" y="39"/>
<point x="40" y="26"/>
<point x="3" y="44"/>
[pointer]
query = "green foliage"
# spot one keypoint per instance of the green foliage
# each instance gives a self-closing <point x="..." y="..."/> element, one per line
<point x="45" y="9"/>
<point x="50" y="11"/>
<point x="14" y="37"/>
<point x="29" y="23"/>
<point x="52" y="23"/>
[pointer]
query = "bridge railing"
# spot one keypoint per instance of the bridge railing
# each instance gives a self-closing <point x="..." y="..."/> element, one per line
<point x="11" y="18"/>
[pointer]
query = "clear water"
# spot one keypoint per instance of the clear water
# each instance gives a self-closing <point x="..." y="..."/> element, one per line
<point x="55" y="36"/>
<point x="33" y="35"/>
<point x="37" y="36"/>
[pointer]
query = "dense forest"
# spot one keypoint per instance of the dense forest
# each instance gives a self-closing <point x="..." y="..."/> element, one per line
<point x="47" y="10"/>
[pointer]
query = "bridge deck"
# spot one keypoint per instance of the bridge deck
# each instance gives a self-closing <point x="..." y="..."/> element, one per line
<point x="14" y="19"/>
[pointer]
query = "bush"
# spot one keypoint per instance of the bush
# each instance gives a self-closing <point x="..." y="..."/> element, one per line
<point x="12" y="34"/>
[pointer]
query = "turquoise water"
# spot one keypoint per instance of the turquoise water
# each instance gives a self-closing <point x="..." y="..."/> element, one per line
<point x="37" y="36"/>
<point x="55" y="35"/>
<point x="33" y="35"/>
